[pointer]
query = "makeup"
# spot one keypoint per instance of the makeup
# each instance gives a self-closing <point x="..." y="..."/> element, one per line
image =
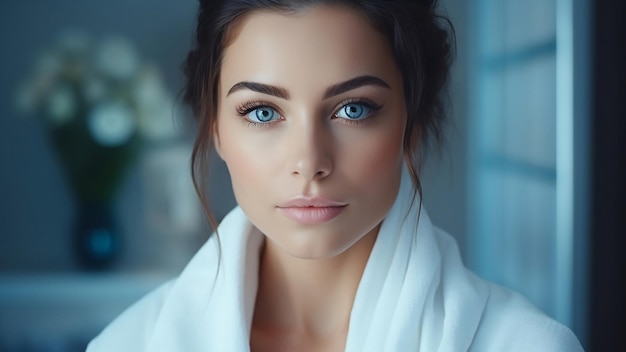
<point x="310" y="211"/>
<point x="311" y="215"/>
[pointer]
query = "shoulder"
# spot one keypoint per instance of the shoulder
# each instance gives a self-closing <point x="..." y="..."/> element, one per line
<point x="509" y="322"/>
<point x="162" y="318"/>
<point x="512" y="323"/>
<point x="133" y="328"/>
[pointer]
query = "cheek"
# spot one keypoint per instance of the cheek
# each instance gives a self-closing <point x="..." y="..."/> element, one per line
<point x="234" y="155"/>
<point x="377" y="155"/>
<point x="249" y="164"/>
<point x="375" y="159"/>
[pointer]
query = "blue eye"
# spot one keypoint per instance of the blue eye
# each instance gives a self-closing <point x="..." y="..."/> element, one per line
<point x="354" y="111"/>
<point x="263" y="114"/>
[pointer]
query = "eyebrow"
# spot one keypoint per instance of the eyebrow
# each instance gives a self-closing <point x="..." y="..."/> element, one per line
<point x="333" y="90"/>
<point x="261" y="88"/>
<point x="354" y="83"/>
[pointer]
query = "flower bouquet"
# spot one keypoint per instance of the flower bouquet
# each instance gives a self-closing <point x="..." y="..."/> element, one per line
<point x="99" y="103"/>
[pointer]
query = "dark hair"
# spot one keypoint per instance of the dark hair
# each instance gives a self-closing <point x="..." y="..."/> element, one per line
<point x="422" y="43"/>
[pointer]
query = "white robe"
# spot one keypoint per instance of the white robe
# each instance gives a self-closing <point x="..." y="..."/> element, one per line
<point x="414" y="295"/>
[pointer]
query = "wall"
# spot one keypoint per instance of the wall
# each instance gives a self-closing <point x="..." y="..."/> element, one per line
<point x="445" y="173"/>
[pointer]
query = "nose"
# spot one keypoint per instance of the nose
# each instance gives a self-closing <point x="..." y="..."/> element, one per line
<point x="312" y="157"/>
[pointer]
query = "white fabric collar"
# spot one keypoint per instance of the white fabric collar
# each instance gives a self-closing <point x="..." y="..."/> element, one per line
<point x="400" y="303"/>
<point x="414" y="295"/>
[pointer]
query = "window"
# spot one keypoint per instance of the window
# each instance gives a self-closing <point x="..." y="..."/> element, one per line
<point x="521" y="147"/>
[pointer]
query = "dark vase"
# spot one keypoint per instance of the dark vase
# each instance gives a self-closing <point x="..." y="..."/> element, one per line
<point x="97" y="241"/>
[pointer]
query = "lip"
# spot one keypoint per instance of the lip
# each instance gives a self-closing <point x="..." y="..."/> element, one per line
<point x="318" y="202"/>
<point x="310" y="211"/>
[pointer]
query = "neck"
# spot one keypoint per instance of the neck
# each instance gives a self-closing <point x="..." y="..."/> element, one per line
<point x="310" y="296"/>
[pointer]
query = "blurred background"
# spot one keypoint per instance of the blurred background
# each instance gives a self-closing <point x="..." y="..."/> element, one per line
<point x="97" y="206"/>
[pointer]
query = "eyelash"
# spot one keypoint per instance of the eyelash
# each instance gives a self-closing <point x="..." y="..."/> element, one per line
<point x="246" y="108"/>
<point x="363" y="101"/>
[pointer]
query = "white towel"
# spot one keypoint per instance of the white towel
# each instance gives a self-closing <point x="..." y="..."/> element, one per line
<point x="415" y="295"/>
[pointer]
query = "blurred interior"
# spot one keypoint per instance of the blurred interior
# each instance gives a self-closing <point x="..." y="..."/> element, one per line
<point x="530" y="180"/>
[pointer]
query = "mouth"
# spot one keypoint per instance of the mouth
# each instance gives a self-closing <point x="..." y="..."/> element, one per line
<point x="309" y="211"/>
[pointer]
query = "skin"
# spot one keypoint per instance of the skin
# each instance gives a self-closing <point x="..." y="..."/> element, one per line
<point x="309" y="273"/>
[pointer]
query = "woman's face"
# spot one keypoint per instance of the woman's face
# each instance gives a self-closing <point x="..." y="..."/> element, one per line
<point x="310" y="124"/>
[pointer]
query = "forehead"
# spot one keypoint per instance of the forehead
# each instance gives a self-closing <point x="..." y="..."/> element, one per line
<point x="314" y="47"/>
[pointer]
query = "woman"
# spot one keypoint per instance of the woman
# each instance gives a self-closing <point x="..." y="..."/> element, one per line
<point x="319" y="110"/>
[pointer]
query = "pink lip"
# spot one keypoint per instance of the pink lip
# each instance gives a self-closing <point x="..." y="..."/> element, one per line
<point x="311" y="210"/>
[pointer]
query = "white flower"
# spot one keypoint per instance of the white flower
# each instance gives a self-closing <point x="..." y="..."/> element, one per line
<point x="156" y="121"/>
<point x="111" y="124"/>
<point x="61" y="104"/>
<point x="94" y="89"/>
<point x="74" y="50"/>
<point x="49" y="64"/>
<point x="155" y="106"/>
<point x="48" y="69"/>
<point x="149" y="88"/>
<point x="117" y="58"/>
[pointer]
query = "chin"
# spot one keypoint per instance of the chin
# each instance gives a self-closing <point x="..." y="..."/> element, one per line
<point x="317" y="243"/>
<point x="310" y="245"/>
